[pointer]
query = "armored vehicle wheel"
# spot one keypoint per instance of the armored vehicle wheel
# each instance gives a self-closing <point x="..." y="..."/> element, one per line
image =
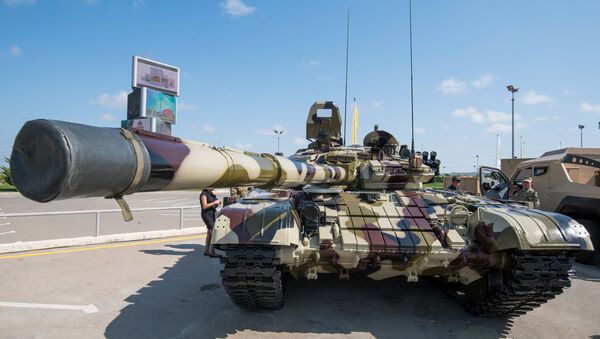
<point x="252" y="278"/>
<point x="534" y="279"/>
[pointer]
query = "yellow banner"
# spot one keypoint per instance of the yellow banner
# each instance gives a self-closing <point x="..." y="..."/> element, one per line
<point x="355" y="125"/>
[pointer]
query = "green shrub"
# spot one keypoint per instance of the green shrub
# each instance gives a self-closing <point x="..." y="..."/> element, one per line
<point x="5" y="173"/>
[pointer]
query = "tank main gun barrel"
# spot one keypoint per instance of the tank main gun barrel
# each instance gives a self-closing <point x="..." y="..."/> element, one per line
<point x="54" y="160"/>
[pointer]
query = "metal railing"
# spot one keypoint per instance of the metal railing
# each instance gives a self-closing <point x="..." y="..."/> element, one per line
<point x="98" y="212"/>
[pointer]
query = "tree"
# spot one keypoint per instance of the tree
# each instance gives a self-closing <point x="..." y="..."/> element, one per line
<point x="5" y="172"/>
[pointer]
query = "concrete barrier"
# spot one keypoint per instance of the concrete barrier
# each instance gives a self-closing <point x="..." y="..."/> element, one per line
<point x="91" y="240"/>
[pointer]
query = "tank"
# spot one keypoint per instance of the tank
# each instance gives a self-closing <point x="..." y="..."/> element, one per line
<point x="327" y="209"/>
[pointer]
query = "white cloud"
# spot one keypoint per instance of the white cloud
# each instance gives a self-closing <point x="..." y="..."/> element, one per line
<point x="568" y="92"/>
<point x="534" y="98"/>
<point x="483" y="80"/>
<point x="309" y="64"/>
<point x="208" y="128"/>
<point x="236" y="8"/>
<point x="107" y="117"/>
<point x="300" y="141"/>
<point x="493" y="116"/>
<point x="453" y="86"/>
<point x="242" y="145"/>
<point x="419" y="130"/>
<point x="185" y="107"/>
<point x="471" y="113"/>
<point x="497" y="121"/>
<point x="504" y="128"/>
<point x="15" y="51"/>
<point x="116" y="101"/>
<point x="546" y="118"/>
<point x="14" y="3"/>
<point x="589" y="107"/>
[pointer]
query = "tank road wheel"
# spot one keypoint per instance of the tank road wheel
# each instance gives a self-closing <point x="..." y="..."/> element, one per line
<point x="593" y="228"/>
<point x="533" y="280"/>
<point x="251" y="277"/>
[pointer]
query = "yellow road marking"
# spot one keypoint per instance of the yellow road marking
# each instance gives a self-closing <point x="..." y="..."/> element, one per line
<point x="71" y="250"/>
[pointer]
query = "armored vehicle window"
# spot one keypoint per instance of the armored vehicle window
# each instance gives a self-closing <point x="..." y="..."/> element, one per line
<point x="524" y="173"/>
<point x="537" y="171"/>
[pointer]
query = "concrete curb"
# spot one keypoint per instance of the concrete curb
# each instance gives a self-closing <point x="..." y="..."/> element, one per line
<point x="103" y="239"/>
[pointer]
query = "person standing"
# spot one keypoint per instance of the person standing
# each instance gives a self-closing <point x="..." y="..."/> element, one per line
<point x="528" y="194"/>
<point x="209" y="204"/>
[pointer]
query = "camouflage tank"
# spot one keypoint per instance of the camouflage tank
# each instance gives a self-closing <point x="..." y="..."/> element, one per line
<point x="328" y="209"/>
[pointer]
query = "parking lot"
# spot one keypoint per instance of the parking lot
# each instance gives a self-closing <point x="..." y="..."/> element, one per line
<point x="166" y="288"/>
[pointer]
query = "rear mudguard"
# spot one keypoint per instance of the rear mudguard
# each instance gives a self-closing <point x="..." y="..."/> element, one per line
<point x="260" y="222"/>
<point x="502" y="227"/>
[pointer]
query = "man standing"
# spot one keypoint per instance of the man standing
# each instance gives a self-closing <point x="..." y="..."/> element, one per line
<point x="528" y="194"/>
<point x="455" y="184"/>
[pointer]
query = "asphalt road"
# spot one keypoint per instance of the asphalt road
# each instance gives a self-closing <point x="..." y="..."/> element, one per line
<point x="56" y="227"/>
<point x="168" y="289"/>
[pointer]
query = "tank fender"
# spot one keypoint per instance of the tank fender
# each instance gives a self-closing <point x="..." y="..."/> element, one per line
<point x="498" y="228"/>
<point x="261" y="222"/>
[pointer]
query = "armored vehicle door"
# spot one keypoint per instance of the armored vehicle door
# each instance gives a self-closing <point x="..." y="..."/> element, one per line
<point x="493" y="183"/>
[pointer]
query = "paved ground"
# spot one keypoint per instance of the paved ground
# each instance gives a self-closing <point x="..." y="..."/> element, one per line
<point x="168" y="289"/>
<point x="57" y="227"/>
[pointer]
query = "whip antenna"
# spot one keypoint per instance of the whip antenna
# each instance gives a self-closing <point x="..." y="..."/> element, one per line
<point x="346" y="89"/>
<point x="412" y="114"/>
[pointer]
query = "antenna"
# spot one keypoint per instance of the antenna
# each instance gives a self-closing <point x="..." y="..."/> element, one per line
<point x="346" y="89"/>
<point x="412" y="115"/>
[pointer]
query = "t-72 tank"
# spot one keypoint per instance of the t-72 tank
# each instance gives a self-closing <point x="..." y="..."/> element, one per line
<point x="328" y="209"/>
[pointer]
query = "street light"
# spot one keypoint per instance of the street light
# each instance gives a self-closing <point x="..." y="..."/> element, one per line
<point x="581" y="134"/>
<point x="279" y="132"/>
<point x="513" y="90"/>
<point x="477" y="156"/>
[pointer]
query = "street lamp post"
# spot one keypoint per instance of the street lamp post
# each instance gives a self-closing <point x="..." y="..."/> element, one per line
<point x="581" y="135"/>
<point x="477" y="156"/>
<point x="279" y="132"/>
<point x="513" y="90"/>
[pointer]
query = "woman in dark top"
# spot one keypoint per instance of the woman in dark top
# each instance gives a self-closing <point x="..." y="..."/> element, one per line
<point x="209" y="203"/>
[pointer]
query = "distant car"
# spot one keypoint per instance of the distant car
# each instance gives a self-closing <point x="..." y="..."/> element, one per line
<point x="567" y="181"/>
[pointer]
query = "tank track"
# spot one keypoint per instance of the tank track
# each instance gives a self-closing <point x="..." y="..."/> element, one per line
<point x="251" y="277"/>
<point x="534" y="279"/>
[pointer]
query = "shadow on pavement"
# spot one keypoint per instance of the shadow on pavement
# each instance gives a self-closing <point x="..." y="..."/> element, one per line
<point x="187" y="301"/>
<point x="587" y="273"/>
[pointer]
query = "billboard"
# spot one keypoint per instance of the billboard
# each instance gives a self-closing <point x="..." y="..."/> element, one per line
<point x="155" y="75"/>
<point x="159" y="105"/>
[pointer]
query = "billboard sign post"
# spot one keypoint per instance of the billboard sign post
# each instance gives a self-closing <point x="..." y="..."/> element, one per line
<point x="152" y="106"/>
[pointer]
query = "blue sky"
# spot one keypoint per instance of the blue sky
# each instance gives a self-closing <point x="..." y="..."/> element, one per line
<point x="249" y="66"/>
